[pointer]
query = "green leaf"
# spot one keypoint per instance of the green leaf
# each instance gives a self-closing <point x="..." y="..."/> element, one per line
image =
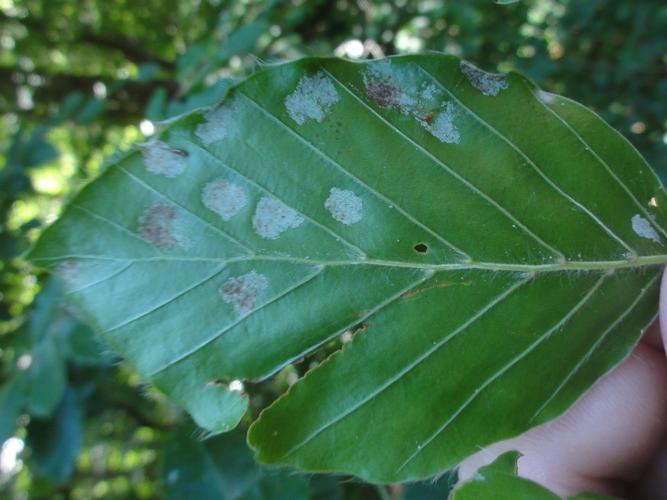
<point x="12" y="399"/>
<point x="55" y="442"/>
<point x="431" y="490"/>
<point x="495" y="248"/>
<point x="498" y="481"/>
<point x="222" y="468"/>
<point x="505" y="2"/>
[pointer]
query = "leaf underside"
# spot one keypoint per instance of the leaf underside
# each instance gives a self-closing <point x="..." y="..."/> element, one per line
<point x="495" y="248"/>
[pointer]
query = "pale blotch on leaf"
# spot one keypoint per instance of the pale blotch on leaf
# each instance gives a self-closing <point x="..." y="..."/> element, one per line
<point x="644" y="229"/>
<point x="441" y="125"/>
<point x="489" y="84"/>
<point x="70" y="272"/>
<point x="224" y="198"/>
<point x="426" y="105"/>
<point x="162" y="159"/>
<point x="546" y="97"/>
<point x="159" y="225"/>
<point x="218" y="124"/>
<point x="384" y="88"/>
<point x="381" y="86"/>
<point x="344" y="206"/>
<point x="242" y="292"/>
<point x="272" y="218"/>
<point x="313" y="99"/>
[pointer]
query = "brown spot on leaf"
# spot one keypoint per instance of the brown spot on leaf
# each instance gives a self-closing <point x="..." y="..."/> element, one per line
<point x="242" y="292"/>
<point x="158" y="225"/>
<point x="383" y="92"/>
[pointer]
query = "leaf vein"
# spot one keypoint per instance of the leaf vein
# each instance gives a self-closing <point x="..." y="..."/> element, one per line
<point x="502" y="371"/>
<point x="406" y="369"/>
<point x="606" y="166"/>
<point x="171" y="299"/>
<point x="337" y="236"/>
<point x="222" y="332"/>
<point x="375" y="192"/>
<point x="150" y="188"/>
<point x="595" y="346"/>
<point x="115" y="273"/>
<point x="531" y="162"/>
<point x="371" y="312"/>
<point x="474" y="188"/>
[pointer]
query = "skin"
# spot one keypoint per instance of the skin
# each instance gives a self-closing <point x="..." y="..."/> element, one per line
<point x="614" y="438"/>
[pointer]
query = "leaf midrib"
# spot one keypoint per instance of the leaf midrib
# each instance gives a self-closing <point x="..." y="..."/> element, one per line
<point x="601" y="265"/>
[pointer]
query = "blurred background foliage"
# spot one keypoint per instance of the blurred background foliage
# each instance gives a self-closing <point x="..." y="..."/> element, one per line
<point x="83" y="79"/>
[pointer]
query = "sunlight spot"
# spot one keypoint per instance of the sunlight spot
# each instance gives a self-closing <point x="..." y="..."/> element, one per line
<point x="638" y="128"/>
<point x="147" y="128"/>
<point x="407" y="42"/>
<point x="354" y="49"/>
<point x="653" y="202"/>
<point x="99" y="90"/>
<point x="236" y="385"/>
<point x="24" y="362"/>
<point x="9" y="461"/>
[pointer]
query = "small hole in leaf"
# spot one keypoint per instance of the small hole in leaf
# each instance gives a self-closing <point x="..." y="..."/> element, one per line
<point x="421" y="248"/>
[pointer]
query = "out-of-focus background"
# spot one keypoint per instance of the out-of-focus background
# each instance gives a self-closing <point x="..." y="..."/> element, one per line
<point x="83" y="79"/>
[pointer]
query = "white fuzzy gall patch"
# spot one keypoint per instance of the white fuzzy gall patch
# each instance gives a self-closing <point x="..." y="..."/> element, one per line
<point x="162" y="159"/>
<point x="242" y="292"/>
<point x="644" y="229"/>
<point x="159" y="224"/>
<point x="313" y="99"/>
<point x="218" y="124"/>
<point x="224" y="198"/>
<point x="272" y="218"/>
<point x="384" y="85"/>
<point x="442" y="125"/>
<point x="546" y="97"/>
<point x="344" y="206"/>
<point x="489" y="84"/>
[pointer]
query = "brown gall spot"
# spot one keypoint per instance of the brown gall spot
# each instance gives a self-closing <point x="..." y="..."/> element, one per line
<point x="156" y="225"/>
<point x="383" y="92"/>
<point x="242" y="292"/>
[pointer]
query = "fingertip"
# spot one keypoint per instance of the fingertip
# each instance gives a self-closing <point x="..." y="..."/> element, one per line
<point x="663" y="309"/>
